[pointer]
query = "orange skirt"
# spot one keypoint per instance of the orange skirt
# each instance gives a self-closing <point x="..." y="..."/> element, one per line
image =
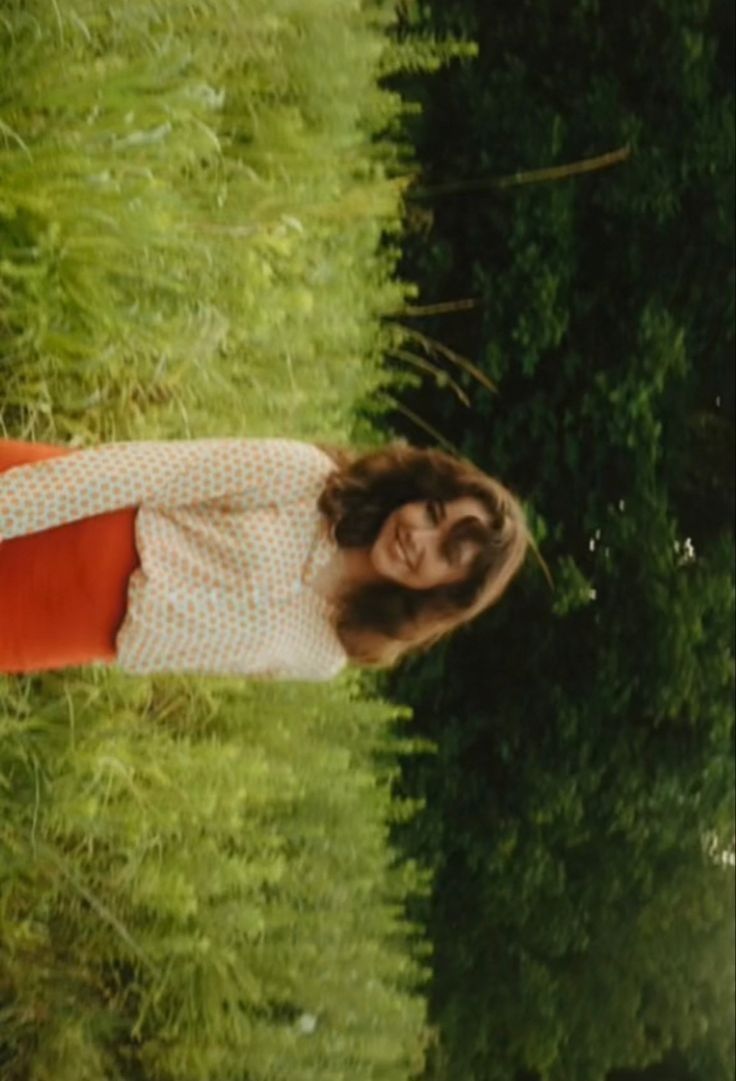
<point x="63" y="592"/>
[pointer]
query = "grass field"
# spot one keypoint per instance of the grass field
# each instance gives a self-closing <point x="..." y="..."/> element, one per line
<point x="195" y="881"/>
<point x="191" y="200"/>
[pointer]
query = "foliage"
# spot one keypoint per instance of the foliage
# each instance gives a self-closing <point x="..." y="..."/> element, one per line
<point x="579" y="812"/>
<point x="191" y="201"/>
<point x="195" y="883"/>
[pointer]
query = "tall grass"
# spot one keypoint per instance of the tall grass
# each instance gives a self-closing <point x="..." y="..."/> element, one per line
<point x="194" y="875"/>
<point x="191" y="201"/>
<point x="195" y="883"/>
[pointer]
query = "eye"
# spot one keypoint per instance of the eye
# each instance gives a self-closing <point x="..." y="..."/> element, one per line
<point x="464" y="556"/>
<point x="434" y="511"/>
<point x="460" y="551"/>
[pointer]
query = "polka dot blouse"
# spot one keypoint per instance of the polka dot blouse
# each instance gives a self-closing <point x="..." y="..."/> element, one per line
<point x="230" y="541"/>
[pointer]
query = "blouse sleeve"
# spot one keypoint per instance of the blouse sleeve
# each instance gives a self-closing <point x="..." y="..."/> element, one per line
<point x="248" y="472"/>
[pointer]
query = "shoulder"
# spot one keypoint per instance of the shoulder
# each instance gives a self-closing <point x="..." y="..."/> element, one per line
<point x="292" y="452"/>
<point x="290" y="466"/>
<point x="315" y="670"/>
<point x="305" y="642"/>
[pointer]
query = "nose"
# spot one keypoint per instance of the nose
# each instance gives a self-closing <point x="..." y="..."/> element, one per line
<point x="419" y="541"/>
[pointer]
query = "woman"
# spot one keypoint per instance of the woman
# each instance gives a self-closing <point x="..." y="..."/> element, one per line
<point x="259" y="557"/>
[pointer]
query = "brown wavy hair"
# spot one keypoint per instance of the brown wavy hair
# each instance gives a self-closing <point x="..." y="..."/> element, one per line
<point x="379" y="623"/>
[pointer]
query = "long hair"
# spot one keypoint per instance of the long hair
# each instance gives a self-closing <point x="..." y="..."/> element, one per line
<point x="378" y="623"/>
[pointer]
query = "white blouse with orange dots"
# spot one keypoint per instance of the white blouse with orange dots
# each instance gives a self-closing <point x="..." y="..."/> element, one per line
<point x="230" y="542"/>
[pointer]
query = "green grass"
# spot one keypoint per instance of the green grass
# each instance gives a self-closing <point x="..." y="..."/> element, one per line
<point x="190" y="872"/>
<point x="192" y="197"/>
<point x="195" y="881"/>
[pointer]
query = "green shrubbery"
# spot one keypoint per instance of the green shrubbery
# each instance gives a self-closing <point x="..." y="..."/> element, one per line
<point x="585" y="770"/>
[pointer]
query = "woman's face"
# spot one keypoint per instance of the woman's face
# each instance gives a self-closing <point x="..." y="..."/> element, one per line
<point x="412" y="547"/>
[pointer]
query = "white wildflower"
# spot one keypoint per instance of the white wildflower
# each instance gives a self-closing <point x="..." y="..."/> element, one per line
<point x="307" y="1023"/>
